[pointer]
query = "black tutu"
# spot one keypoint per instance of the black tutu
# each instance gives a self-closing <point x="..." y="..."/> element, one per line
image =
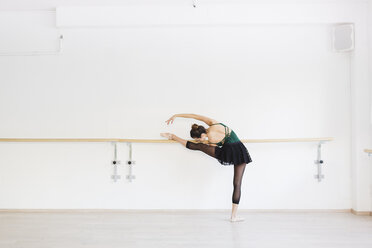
<point x="234" y="153"/>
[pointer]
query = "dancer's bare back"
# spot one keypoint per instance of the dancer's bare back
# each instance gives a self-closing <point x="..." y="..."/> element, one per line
<point x="216" y="133"/>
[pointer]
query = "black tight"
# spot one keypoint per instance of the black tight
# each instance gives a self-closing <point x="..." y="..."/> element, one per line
<point x="210" y="150"/>
<point x="238" y="169"/>
<point x="238" y="176"/>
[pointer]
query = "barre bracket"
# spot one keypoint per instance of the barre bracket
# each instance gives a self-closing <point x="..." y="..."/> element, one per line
<point x="130" y="163"/>
<point x="319" y="162"/>
<point x="115" y="163"/>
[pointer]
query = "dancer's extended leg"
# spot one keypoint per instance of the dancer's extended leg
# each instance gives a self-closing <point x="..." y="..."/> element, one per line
<point x="210" y="150"/>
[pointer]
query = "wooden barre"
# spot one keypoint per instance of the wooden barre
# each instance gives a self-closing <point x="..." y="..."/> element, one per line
<point x="368" y="150"/>
<point x="157" y="140"/>
<point x="130" y="162"/>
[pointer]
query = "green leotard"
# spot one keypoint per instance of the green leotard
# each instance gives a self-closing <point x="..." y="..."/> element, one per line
<point x="229" y="138"/>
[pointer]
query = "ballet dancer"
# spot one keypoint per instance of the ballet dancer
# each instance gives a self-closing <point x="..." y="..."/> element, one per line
<point x="228" y="150"/>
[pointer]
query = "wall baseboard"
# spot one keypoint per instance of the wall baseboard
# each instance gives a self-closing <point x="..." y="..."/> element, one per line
<point x="360" y="212"/>
<point x="184" y="211"/>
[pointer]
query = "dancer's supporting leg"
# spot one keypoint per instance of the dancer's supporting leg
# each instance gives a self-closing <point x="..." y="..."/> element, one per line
<point x="237" y="182"/>
<point x="238" y="171"/>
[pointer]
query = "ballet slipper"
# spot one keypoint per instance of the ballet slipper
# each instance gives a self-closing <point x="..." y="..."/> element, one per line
<point x="237" y="219"/>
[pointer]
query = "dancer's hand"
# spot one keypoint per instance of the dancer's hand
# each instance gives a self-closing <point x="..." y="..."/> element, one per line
<point x="171" y="119"/>
<point x="167" y="135"/>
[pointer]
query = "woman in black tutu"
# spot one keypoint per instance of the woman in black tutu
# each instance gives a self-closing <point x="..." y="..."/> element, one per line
<point x="222" y="144"/>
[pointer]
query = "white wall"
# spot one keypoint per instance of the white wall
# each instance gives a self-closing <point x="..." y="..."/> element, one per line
<point x="265" y="81"/>
<point x="369" y="18"/>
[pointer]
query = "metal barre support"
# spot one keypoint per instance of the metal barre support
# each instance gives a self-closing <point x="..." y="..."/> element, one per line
<point x="130" y="163"/>
<point x="115" y="162"/>
<point x="319" y="162"/>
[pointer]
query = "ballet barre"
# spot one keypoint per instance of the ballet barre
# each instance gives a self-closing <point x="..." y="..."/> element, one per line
<point x="130" y="162"/>
<point x="369" y="151"/>
<point x="152" y="140"/>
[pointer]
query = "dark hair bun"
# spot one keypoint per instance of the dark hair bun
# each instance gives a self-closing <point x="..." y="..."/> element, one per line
<point x="197" y="130"/>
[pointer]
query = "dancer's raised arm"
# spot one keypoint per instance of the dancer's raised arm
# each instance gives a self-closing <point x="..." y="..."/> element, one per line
<point x="206" y="120"/>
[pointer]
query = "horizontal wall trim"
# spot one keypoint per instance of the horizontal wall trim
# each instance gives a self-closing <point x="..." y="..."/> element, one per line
<point x="181" y="211"/>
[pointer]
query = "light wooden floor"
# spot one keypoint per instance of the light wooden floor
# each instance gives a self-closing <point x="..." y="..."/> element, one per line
<point x="184" y="229"/>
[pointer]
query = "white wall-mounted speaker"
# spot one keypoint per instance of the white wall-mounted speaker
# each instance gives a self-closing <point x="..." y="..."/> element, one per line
<point x="343" y="37"/>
